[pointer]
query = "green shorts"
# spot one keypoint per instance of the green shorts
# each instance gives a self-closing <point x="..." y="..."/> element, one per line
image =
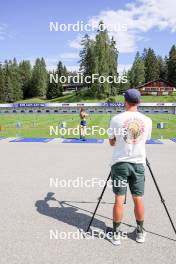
<point x="124" y="173"/>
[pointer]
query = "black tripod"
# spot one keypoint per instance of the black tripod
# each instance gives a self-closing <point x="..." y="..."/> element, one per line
<point x="156" y="185"/>
<point x="99" y="200"/>
<point x="162" y="200"/>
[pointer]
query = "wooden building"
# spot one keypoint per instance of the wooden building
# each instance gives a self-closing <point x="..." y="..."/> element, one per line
<point x="157" y="87"/>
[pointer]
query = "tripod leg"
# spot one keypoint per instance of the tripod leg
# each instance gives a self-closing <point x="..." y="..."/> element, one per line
<point x="98" y="202"/>
<point x="100" y="198"/>
<point x="162" y="200"/>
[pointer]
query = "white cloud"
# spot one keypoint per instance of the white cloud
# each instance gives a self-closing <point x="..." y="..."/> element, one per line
<point x="73" y="68"/>
<point x="4" y="32"/>
<point x="51" y="62"/>
<point x="123" y="67"/>
<point x="140" y="16"/>
<point x="76" y="43"/>
<point x="69" y="56"/>
<point x="51" y="67"/>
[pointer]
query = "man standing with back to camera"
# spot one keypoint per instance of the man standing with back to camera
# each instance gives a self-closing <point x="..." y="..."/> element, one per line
<point x="128" y="134"/>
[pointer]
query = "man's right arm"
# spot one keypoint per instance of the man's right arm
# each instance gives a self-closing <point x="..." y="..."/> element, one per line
<point x="150" y="129"/>
<point x="111" y="133"/>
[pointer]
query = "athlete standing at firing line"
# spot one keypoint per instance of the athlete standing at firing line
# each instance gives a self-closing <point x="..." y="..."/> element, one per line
<point x="128" y="161"/>
<point x="83" y="123"/>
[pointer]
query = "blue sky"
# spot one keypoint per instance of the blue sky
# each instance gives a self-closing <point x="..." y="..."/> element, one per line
<point x="25" y="34"/>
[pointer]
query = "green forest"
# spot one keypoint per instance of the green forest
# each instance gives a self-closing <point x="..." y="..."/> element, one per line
<point x="20" y="81"/>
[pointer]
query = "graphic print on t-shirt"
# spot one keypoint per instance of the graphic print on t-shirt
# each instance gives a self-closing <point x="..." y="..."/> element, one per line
<point x="134" y="128"/>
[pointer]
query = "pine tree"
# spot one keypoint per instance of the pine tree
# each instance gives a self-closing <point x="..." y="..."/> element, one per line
<point x="25" y="71"/>
<point x="2" y="84"/>
<point x="52" y="89"/>
<point x="55" y="89"/>
<point x="8" y="86"/>
<point x="39" y="78"/>
<point x="14" y="75"/>
<point x="151" y="65"/>
<point x="137" y="74"/>
<point x="99" y="57"/>
<point x="122" y="87"/>
<point x="87" y="61"/>
<point x="102" y="54"/>
<point x="113" y="58"/>
<point x="162" y="67"/>
<point x="61" y="71"/>
<point x="172" y="65"/>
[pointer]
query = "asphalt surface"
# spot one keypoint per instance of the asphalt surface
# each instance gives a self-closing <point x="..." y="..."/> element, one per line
<point x="41" y="223"/>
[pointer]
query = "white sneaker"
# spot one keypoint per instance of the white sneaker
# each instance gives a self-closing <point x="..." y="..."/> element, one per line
<point x="140" y="236"/>
<point x="115" y="240"/>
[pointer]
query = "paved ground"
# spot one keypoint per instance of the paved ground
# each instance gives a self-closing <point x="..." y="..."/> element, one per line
<point x="29" y="214"/>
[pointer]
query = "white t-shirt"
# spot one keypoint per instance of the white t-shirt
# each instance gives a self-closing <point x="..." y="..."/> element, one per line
<point x="131" y="130"/>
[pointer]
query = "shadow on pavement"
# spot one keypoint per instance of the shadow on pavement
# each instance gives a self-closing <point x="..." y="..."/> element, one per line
<point x="68" y="213"/>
